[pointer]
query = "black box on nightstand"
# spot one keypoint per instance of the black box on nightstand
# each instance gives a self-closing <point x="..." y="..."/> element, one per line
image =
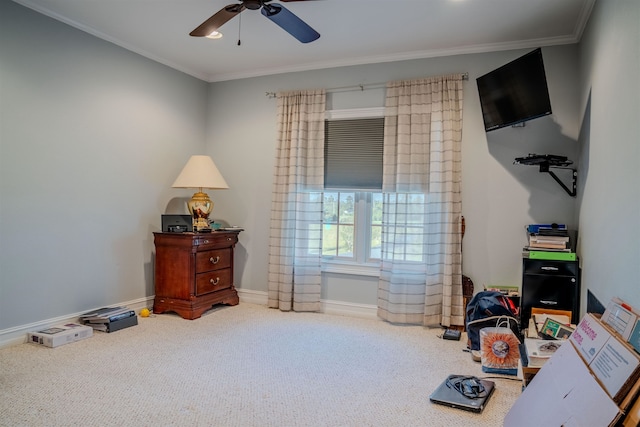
<point x="176" y="223"/>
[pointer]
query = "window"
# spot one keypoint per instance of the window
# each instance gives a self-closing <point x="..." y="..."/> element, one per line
<point x="407" y="213"/>
<point x="352" y="201"/>
<point x="352" y="226"/>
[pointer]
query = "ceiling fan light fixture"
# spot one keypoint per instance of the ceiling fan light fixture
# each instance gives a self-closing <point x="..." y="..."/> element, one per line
<point x="252" y="4"/>
<point x="214" y="35"/>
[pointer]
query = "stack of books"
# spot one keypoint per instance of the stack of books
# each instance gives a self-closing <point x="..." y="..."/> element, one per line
<point x="552" y="242"/>
<point x="549" y="241"/>
<point x="110" y="319"/>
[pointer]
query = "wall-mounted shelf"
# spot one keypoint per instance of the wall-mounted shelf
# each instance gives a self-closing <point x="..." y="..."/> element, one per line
<point x="548" y="161"/>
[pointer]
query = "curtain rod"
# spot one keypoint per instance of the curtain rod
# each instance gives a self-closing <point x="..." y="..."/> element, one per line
<point x="360" y="87"/>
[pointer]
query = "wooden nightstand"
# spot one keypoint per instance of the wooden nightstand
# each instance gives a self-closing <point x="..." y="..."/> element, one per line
<point x="193" y="272"/>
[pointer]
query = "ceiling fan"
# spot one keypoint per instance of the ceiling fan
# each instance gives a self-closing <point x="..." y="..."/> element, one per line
<point x="275" y="12"/>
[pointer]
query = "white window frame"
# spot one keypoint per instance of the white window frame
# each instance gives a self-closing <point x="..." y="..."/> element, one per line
<point x="360" y="264"/>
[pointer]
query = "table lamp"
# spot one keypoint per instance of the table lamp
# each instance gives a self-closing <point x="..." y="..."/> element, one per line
<point x="200" y="172"/>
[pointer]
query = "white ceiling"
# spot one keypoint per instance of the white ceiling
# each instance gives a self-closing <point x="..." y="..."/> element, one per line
<point x="352" y="31"/>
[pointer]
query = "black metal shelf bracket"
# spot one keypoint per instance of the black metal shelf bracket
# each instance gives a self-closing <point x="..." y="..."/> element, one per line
<point x="544" y="167"/>
<point x="548" y="161"/>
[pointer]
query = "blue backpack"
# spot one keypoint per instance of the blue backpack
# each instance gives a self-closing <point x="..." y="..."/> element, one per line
<point x="485" y="310"/>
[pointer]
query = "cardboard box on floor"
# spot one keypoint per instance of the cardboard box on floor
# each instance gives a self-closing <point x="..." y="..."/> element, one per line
<point x="613" y="362"/>
<point x="590" y="380"/>
<point x="60" y="335"/>
<point x="563" y="393"/>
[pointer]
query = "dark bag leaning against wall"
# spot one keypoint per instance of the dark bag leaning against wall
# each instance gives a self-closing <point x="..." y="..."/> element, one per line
<point x="484" y="310"/>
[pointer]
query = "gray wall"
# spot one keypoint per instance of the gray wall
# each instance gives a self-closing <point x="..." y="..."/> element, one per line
<point x="499" y="198"/>
<point x="610" y="151"/>
<point x="91" y="138"/>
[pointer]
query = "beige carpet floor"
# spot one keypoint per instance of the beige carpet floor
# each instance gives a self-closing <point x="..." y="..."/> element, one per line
<point x="244" y="366"/>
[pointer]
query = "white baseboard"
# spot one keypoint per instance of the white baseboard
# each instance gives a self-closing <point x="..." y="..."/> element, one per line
<point x="18" y="334"/>
<point x="350" y="309"/>
<point x="327" y="306"/>
<point x="252" y="297"/>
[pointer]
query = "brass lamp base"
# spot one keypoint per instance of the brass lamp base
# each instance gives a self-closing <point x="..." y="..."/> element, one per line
<point x="200" y="206"/>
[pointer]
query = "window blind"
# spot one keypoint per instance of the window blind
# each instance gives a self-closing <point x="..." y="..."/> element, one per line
<point x="353" y="153"/>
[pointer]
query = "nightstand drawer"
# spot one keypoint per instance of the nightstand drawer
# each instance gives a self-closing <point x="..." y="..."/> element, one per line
<point x="213" y="260"/>
<point x="213" y="281"/>
<point x="215" y="239"/>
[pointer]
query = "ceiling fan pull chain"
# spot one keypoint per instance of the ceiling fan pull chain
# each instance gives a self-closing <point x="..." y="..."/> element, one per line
<point x="239" y="28"/>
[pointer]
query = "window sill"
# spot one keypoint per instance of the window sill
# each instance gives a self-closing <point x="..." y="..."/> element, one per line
<point x="342" y="267"/>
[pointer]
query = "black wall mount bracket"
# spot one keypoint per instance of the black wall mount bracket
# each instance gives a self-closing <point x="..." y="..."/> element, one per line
<point x="574" y="175"/>
<point x="548" y="161"/>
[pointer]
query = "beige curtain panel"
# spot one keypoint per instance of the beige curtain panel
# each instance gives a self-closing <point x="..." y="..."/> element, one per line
<point x="421" y="273"/>
<point x="295" y="244"/>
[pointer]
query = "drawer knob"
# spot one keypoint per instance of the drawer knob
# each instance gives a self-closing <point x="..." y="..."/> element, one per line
<point x="550" y="268"/>
<point x="214" y="282"/>
<point x="215" y="260"/>
<point x="547" y="302"/>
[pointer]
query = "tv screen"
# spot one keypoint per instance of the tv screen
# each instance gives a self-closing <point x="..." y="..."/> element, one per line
<point x="515" y="92"/>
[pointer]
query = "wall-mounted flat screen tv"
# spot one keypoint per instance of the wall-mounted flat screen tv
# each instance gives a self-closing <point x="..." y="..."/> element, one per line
<point x="515" y="92"/>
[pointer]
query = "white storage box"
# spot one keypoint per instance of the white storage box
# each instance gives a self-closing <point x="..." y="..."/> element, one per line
<point x="60" y="335"/>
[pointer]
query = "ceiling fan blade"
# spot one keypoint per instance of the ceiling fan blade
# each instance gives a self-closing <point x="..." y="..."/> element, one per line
<point x="290" y="22"/>
<point x="217" y="20"/>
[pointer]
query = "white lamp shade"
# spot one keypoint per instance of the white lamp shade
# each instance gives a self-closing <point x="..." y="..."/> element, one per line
<point x="200" y="172"/>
